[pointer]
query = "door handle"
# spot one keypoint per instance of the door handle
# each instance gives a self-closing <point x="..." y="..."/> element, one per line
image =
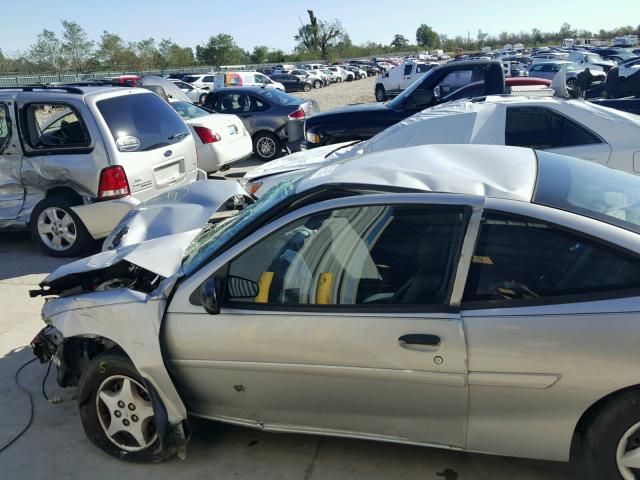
<point x="420" y="339"/>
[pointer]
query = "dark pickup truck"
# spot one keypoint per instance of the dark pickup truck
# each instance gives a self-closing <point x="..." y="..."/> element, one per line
<point x="439" y="85"/>
<point x="448" y="82"/>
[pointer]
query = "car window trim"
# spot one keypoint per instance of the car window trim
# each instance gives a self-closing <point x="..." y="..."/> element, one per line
<point x="7" y="116"/>
<point x="297" y="207"/>
<point x="564" y="117"/>
<point x="553" y="300"/>
<point x="23" y="131"/>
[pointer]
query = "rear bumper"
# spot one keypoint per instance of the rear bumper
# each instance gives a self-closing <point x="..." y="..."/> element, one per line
<point x="100" y="218"/>
<point x="213" y="156"/>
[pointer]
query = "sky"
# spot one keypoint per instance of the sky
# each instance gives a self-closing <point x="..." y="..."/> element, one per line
<point x="275" y="22"/>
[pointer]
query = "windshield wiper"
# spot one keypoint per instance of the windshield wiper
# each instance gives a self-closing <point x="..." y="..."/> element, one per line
<point x="178" y="136"/>
<point x="344" y="146"/>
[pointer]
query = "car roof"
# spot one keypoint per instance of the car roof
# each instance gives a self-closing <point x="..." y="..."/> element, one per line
<point x="50" y="92"/>
<point x="240" y="90"/>
<point x="481" y="170"/>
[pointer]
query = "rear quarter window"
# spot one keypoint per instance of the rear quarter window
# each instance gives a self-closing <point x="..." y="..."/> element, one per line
<point x="142" y="122"/>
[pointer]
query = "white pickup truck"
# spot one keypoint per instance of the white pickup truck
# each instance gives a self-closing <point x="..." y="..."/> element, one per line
<point x="393" y="82"/>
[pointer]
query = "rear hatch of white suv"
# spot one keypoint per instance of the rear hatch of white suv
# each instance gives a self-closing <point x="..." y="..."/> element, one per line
<point x="149" y="141"/>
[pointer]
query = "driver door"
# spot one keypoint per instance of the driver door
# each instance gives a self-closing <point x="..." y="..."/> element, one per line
<point x="334" y="321"/>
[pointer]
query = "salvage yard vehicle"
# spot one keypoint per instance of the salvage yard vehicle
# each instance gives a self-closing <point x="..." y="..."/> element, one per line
<point x="245" y="79"/>
<point x="591" y="60"/>
<point x="221" y="139"/>
<point x="75" y="160"/>
<point x="296" y="83"/>
<point x="359" y="122"/>
<point x="445" y="260"/>
<point x="205" y="81"/>
<point x="550" y="69"/>
<point x="571" y="127"/>
<point x="274" y="119"/>
<point x="195" y="94"/>
<point x="393" y="82"/>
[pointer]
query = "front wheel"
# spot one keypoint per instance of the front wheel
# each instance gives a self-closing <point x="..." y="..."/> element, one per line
<point x="203" y="97"/>
<point x="117" y="414"/>
<point x="57" y="229"/>
<point x="381" y="95"/>
<point x="572" y="83"/>
<point x="307" y="87"/>
<point x="266" y="146"/>
<point x="611" y="444"/>
<point x="317" y="84"/>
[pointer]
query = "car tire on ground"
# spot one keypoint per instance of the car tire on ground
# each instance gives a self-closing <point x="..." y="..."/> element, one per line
<point x="203" y="97"/>
<point x="116" y="410"/>
<point x="307" y="87"/>
<point x="58" y="230"/>
<point x="613" y="433"/>
<point x="317" y="84"/>
<point x="381" y="95"/>
<point x="572" y="83"/>
<point x="266" y="146"/>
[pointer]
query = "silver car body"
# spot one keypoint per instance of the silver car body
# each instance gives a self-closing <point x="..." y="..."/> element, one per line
<point x="475" y="122"/>
<point x="508" y="381"/>
<point x="27" y="177"/>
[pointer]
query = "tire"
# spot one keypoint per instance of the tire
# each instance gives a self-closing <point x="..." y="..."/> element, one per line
<point x="266" y="146"/>
<point x="307" y="87"/>
<point x="572" y="83"/>
<point x="381" y="95"/>
<point x="317" y="84"/>
<point x="203" y="97"/>
<point x="100" y="381"/>
<point x="58" y="230"/>
<point x="616" y="426"/>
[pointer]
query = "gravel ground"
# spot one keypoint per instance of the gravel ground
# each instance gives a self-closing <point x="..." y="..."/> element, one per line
<point x="341" y="94"/>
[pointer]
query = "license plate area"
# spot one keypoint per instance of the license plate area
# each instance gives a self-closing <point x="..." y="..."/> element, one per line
<point x="169" y="173"/>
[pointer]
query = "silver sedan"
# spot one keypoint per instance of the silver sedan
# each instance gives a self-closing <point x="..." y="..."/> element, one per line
<point x="477" y="298"/>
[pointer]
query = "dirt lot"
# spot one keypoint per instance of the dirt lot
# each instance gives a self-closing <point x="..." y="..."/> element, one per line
<point x="341" y="94"/>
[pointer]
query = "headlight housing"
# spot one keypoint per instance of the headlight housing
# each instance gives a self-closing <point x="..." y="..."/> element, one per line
<point x="312" y="137"/>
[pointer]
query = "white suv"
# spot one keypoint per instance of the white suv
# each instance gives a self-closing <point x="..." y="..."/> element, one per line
<point x="75" y="160"/>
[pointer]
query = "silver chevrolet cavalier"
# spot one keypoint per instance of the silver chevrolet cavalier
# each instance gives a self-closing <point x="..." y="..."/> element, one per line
<point x="466" y="297"/>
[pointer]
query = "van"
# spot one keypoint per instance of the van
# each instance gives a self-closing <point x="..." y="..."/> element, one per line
<point x="74" y="160"/>
<point x="245" y="79"/>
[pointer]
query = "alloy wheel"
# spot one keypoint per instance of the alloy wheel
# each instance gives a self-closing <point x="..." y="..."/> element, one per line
<point x="628" y="453"/>
<point x="266" y="147"/>
<point x="126" y="413"/>
<point x="57" y="229"/>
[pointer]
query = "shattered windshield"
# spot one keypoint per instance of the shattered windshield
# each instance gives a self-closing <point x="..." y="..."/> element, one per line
<point x="214" y="236"/>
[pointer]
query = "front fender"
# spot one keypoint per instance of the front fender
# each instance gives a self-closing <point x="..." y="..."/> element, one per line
<point x="131" y="320"/>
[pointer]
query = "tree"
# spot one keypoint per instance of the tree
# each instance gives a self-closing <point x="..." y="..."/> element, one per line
<point x="319" y="35"/>
<point x="399" y="41"/>
<point x="536" y="36"/>
<point x="112" y="51"/>
<point x="276" y="56"/>
<point x="45" y="54"/>
<point x="565" y="31"/>
<point x="426" y="37"/>
<point x="77" y="48"/>
<point x="259" y="54"/>
<point x="482" y="37"/>
<point x="220" y="50"/>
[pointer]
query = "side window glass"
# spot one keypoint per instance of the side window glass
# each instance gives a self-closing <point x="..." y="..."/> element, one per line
<point x="208" y="79"/>
<point x="457" y="79"/>
<point x="407" y="69"/>
<point x="51" y="126"/>
<point x="523" y="259"/>
<point x="387" y="255"/>
<point x="543" y="128"/>
<point x="5" y="129"/>
<point x="256" y="105"/>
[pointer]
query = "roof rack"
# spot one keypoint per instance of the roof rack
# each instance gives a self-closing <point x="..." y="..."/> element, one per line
<point x="34" y="88"/>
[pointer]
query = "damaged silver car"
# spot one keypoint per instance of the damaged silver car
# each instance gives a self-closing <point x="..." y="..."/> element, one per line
<point x="467" y="297"/>
<point x="74" y="160"/>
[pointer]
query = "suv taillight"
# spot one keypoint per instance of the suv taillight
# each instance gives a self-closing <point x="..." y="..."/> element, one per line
<point x="113" y="183"/>
<point x="298" y="114"/>
<point x="206" y="135"/>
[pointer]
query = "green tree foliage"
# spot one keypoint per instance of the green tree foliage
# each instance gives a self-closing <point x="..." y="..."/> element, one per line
<point x="221" y="50"/>
<point x="46" y="53"/>
<point x="399" y="41"/>
<point x="76" y="46"/>
<point x="320" y="36"/>
<point x="426" y="37"/>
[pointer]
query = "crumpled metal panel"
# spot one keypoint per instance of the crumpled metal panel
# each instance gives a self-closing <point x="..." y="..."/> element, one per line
<point x="130" y="319"/>
<point x="178" y="210"/>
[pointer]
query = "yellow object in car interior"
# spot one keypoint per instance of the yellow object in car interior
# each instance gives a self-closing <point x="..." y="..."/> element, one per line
<point x="264" y="284"/>
<point x="313" y="137"/>
<point x="323" y="288"/>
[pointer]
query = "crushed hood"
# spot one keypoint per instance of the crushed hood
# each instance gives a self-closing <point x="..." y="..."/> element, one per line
<point x="162" y="256"/>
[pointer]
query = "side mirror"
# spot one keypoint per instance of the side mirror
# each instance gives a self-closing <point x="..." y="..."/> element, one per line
<point x="209" y="296"/>
<point x="420" y="99"/>
<point x="437" y="92"/>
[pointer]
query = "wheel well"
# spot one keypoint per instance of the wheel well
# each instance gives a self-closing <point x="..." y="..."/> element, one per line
<point x="592" y="412"/>
<point x="255" y="134"/>
<point x="67" y="192"/>
<point x="76" y="353"/>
